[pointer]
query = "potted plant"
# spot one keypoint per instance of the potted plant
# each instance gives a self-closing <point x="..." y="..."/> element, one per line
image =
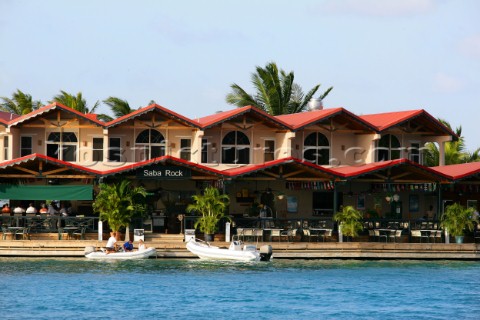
<point x="456" y="219"/>
<point x="349" y="221"/>
<point x="211" y="206"/>
<point x="118" y="203"/>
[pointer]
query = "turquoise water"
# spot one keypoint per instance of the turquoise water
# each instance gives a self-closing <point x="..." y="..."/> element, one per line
<point x="194" y="289"/>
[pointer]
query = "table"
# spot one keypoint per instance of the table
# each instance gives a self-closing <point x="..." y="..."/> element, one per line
<point x="69" y="230"/>
<point x="273" y="232"/>
<point x="429" y="233"/>
<point x="319" y="232"/>
<point x="386" y="233"/>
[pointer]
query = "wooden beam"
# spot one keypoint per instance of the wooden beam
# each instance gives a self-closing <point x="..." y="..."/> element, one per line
<point x="293" y="173"/>
<point x="25" y="170"/>
<point x="56" y="171"/>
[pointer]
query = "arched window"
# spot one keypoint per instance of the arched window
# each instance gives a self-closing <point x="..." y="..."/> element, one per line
<point x="316" y="149"/>
<point x="151" y="142"/>
<point x="236" y="148"/>
<point x="388" y="148"/>
<point x="62" y="145"/>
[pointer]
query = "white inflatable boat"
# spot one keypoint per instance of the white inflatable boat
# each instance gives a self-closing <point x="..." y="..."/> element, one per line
<point x="237" y="251"/>
<point x="143" y="254"/>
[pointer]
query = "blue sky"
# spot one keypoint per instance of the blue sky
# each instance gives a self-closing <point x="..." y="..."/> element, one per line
<point x="380" y="55"/>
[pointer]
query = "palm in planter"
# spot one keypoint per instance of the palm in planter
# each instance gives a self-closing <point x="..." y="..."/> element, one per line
<point x="118" y="203"/>
<point x="211" y="206"/>
<point x="456" y="219"/>
<point x="349" y="220"/>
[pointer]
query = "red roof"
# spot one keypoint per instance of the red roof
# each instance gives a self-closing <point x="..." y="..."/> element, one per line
<point x="299" y="120"/>
<point x="355" y="171"/>
<point x="35" y="156"/>
<point x="220" y="117"/>
<point x="185" y="163"/>
<point x="459" y="171"/>
<point x="386" y="120"/>
<point x="54" y="106"/>
<point x="150" y="108"/>
<point x="247" y="169"/>
<point x="5" y="117"/>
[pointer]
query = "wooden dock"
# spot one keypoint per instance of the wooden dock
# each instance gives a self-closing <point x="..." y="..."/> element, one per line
<point x="172" y="246"/>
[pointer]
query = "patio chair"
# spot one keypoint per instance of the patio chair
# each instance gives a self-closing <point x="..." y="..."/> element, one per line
<point x="436" y="235"/>
<point x="416" y="234"/>
<point x="23" y="234"/>
<point x="395" y="235"/>
<point x="371" y="235"/>
<point x="258" y="233"/>
<point x="6" y="232"/>
<point x="80" y="233"/>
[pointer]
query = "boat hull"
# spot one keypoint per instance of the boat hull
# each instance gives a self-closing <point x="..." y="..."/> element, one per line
<point x="208" y="252"/>
<point x="144" y="254"/>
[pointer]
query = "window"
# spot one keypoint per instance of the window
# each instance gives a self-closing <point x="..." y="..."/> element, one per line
<point x="388" y="148"/>
<point x="97" y="152"/>
<point x="114" y="150"/>
<point x="185" y="149"/>
<point x="26" y="146"/>
<point x="205" y="146"/>
<point x="152" y="143"/>
<point x="316" y="149"/>
<point x="62" y="145"/>
<point x="269" y="150"/>
<point x="236" y="148"/>
<point x="5" y="148"/>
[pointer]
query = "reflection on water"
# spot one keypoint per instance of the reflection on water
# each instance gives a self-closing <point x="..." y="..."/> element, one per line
<point x="287" y="289"/>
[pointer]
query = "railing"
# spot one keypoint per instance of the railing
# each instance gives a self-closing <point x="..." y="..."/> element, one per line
<point x="43" y="223"/>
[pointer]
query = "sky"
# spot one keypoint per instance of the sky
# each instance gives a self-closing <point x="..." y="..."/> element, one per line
<point x="379" y="55"/>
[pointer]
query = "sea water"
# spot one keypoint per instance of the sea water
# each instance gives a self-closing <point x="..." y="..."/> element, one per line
<point x="280" y="289"/>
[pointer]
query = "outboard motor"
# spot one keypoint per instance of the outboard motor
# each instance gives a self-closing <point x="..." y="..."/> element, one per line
<point x="265" y="253"/>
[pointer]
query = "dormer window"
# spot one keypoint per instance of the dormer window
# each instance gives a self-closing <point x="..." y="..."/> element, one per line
<point x="236" y="148"/>
<point x="151" y="143"/>
<point x="62" y="146"/>
<point x="316" y="149"/>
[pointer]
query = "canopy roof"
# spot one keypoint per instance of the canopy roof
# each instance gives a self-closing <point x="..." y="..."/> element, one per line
<point x="460" y="171"/>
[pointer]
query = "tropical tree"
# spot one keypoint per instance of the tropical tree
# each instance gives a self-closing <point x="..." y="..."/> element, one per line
<point x="118" y="106"/>
<point x="118" y="203"/>
<point x="349" y="220"/>
<point x="456" y="219"/>
<point x="455" y="151"/>
<point x="276" y="92"/>
<point x="76" y="102"/>
<point x="20" y="103"/>
<point x="211" y="205"/>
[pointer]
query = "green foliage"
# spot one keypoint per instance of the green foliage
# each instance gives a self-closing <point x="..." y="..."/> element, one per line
<point x="276" y="93"/>
<point x="20" y="103"/>
<point x="118" y="203"/>
<point x="118" y="106"/>
<point x="457" y="218"/>
<point x="455" y="151"/>
<point x="211" y="206"/>
<point x="76" y="102"/>
<point x="349" y="220"/>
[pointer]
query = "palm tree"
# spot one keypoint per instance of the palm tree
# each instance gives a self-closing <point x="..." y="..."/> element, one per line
<point x="118" y="203"/>
<point x="455" y="151"/>
<point x="276" y="93"/>
<point x="118" y="106"/>
<point x="75" y="102"/>
<point x="349" y="220"/>
<point x="211" y="206"/>
<point x="20" y="103"/>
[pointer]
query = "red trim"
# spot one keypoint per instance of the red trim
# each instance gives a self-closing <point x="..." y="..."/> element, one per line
<point x="355" y="171"/>
<point x="50" y="159"/>
<point x="459" y="171"/>
<point x="147" y="109"/>
<point x="218" y="118"/>
<point x="54" y="106"/>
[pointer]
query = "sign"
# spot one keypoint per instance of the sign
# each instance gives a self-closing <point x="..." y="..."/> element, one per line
<point x="163" y="172"/>
<point x="138" y="234"/>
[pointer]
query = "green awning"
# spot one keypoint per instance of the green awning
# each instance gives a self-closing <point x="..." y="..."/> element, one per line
<point x="23" y="192"/>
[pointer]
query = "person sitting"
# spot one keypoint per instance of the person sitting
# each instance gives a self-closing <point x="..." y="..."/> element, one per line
<point x="141" y="245"/>
<point x="18" y="210"/>
<point x="128" y="246"/>
<point x="43" y="209"/>
<point x="31" y="209"/>
<point x="51" y="209"/>
<point x="6" y="208"/>
<point x="111" y="243"/>
<point x="63" y="210"/>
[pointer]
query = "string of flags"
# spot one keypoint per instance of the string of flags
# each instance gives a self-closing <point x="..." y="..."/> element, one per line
<point x="311" y="185"/>
<point x="398" y="187"/>
<point x="210" y="183"/>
